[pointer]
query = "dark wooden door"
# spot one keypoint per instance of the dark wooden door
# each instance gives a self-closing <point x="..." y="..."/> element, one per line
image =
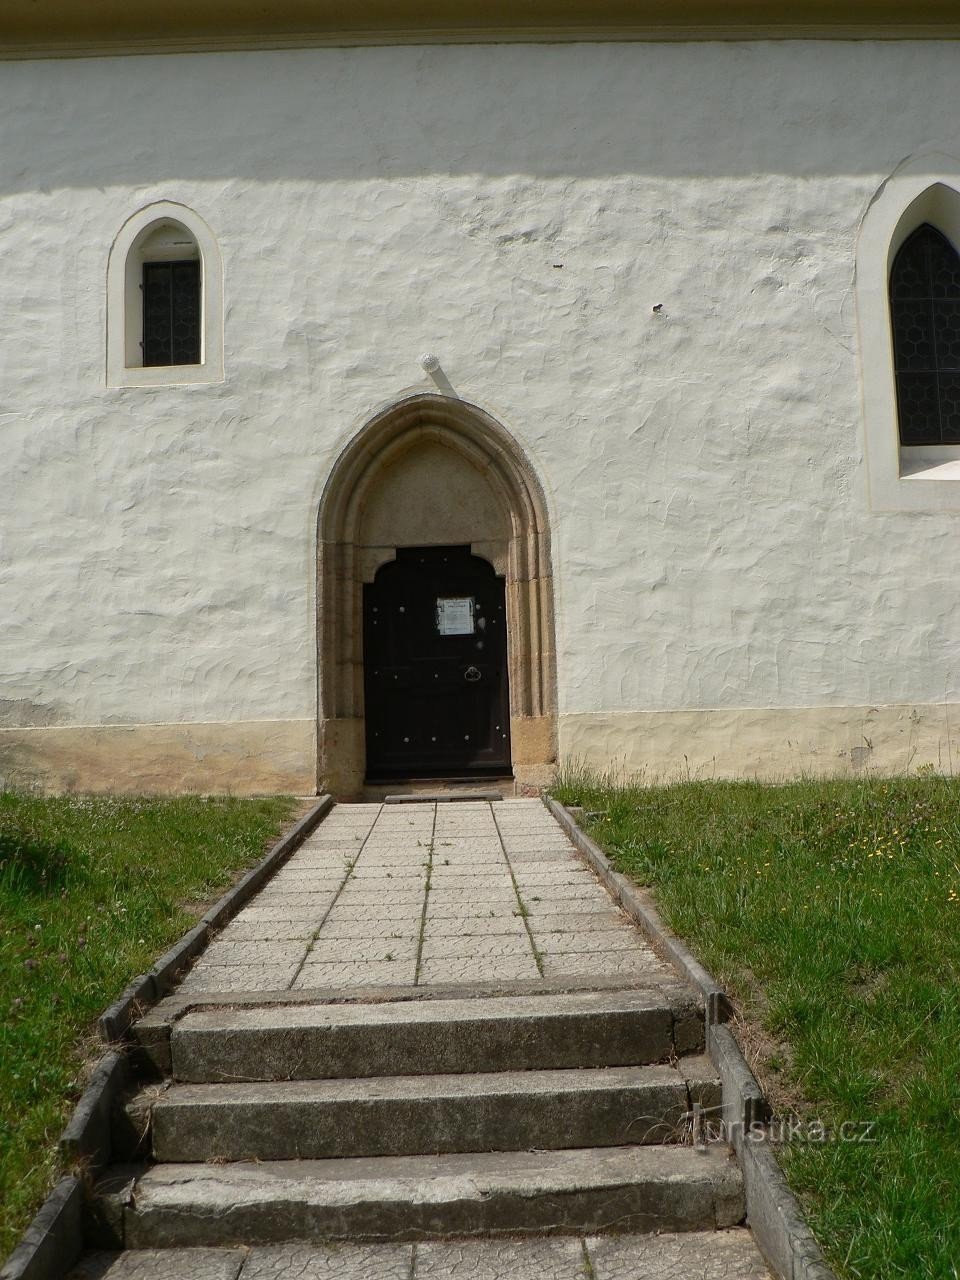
<point x="435" y="667"/>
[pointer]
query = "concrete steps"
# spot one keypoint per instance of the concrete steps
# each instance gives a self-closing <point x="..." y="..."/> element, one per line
<point x="393" y="1198"/>
<point x="414" y="1115"/>
<point x="473" y="1107"/>
<point x="430" y="1037"/>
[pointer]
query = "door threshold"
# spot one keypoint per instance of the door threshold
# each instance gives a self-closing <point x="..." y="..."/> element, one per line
<point x="439" y="790"/>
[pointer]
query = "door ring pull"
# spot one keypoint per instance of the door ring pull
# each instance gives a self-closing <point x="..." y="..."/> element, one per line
<point x="472" y="674"/>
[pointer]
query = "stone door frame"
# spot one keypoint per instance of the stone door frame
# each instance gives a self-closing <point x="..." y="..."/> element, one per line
<point x="343" y="565"/>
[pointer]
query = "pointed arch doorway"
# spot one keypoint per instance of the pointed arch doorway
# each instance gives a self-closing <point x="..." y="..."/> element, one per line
<point x="434" y="498"/>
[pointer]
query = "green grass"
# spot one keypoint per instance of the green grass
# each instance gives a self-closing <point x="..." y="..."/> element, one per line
<point x="92" y="889"/>
<point x="831" y="911"/>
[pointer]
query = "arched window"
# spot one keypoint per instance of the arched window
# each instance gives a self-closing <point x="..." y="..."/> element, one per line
<point x="164" y="300"/>
<point x="170" y="282"/>
<point x="925" y="314"/>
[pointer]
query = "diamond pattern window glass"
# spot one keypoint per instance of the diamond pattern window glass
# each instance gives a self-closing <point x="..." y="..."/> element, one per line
<point x="171" y="312"/>
<point x="925" y="308"/>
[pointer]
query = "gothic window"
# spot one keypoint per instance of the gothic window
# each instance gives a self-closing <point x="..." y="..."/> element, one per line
<point x="925" y="311"/>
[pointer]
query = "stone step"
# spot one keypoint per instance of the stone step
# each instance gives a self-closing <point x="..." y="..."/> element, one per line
<point x="708" y="1255"/>
<point x="414" y="1115"/>
<point x="644" y="1189"/>
<point x="414" y="1037"/>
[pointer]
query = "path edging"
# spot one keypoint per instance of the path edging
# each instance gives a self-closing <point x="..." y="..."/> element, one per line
<point x="53" y="1241"/>
<point x="774" y="1213"/>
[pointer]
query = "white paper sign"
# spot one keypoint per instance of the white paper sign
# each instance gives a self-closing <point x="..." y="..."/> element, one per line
<point x="455" y="615"/>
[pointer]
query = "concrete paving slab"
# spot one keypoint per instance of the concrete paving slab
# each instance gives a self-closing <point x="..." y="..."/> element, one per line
<point x="450" y="878"/>
<point x="471" y="845"/>
<point x="296" y="880"/>
<point x="239" y="977"/>
<point x="343" y="927"/>
<point x="161" y="1264"/>
<point x="373" y="950"/>
<point x="290" y="898"/>
<point x="542" y="922"/>
<point x="592" y="943"/>
<point x="319" y="1261"/>
<point x="478" y="969"/>
<point x="474" y="926"/>
<point x="369" y="874"/>
<point x="559" y="1258"/>
<point x="268" y="931"/>
<point x="254" y="953"/>
<point x="695" y="1255"/>
<point x="355" y="896"/>
<point x="462" y="947"/>
<point x="376" y="909"/>
<point x="468" y="907"/>
<point x="624" y="964"/>
<point x="355" y="974"/>
<point x="543" y="857"/>
<point x="569" y="905"/>
<point x="305" y="910"/>
<point x="564" y="875"/>
<point x="494" y="891"/>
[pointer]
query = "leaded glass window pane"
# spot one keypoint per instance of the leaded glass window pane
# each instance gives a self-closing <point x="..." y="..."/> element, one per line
<point x="171" y="312"/>
<point x="925" y="306"/>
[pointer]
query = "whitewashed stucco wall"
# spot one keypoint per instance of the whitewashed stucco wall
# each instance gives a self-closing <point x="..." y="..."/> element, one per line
<point x="519" y="210"/>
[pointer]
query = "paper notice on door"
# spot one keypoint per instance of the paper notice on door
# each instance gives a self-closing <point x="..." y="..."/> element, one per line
<point x="455" y="615"/>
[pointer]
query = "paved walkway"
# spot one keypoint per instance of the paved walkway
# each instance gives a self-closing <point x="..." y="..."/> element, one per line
<point x="730" y="1255"/>
<point x="416" y="894"/>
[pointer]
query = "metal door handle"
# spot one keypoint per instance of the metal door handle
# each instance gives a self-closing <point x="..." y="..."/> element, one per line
<point x="472" y="674"/>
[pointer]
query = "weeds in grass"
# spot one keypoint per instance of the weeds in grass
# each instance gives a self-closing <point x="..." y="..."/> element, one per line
<point x="91" y="889"/>
<point x="831" y="911"/>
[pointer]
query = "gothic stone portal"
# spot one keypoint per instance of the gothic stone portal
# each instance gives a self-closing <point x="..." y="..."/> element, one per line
<point x="434" y="476"/>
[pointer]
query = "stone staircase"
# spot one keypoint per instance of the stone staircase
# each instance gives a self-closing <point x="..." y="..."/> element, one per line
<point x="516" y="1101"/>
<point x="412" y="1119"/>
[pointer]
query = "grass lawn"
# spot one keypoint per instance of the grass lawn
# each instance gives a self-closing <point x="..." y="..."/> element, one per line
<point x="831" y="912"/>
<point x="92" y="890"/>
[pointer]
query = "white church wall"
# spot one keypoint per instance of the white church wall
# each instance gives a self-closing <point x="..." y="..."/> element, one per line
<point x="724" y="587"/>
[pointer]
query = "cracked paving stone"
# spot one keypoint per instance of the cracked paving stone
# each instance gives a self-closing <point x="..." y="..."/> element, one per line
<point x="161" y="1264"/>
<point x="326" y="1261"/>
<point x="557" y="1258"/>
